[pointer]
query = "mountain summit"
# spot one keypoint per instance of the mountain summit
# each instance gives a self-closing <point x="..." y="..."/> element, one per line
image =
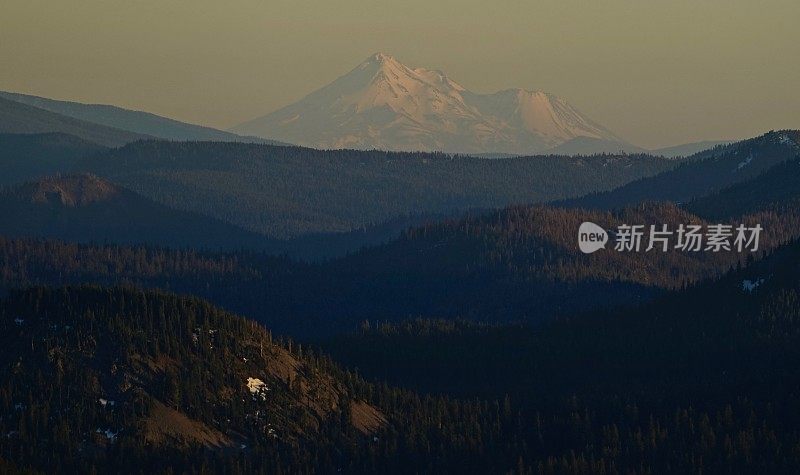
<point x="384" y="104"/>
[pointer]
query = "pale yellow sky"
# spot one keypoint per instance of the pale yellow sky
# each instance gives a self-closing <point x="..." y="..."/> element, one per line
<point x="657" y="72"/>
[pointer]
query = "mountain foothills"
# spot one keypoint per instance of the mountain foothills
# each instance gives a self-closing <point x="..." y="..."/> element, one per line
<point x="86" y="208"/>
<point x="151" y="319"/>
<point x="777" y="188"/>
<point x="702" y="376"/>
<point x="703" y="173"/>
<point x="116" y="380"/>
<point x="119" y="380"/>
<point x="701" y="336"/>
<point x="384" y="104"/>
<point x="285" y="192"/>
<point x="519" y="265"/>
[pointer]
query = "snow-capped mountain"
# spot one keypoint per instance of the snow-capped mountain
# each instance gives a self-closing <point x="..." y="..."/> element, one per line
<point x="383" y="104"/>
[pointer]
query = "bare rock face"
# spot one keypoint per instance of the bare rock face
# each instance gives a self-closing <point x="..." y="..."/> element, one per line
<point x="72" y="191"/>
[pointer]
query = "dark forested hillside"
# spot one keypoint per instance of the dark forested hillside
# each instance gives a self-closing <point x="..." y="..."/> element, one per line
<point x="704" y="380"/>
<point x="86" y="208"/>
<point x="723" y="353"/>
<point x="541" y="359"/>
<point x="520" y="264"/>
<point x="595" y="351"/>
<point x="777" y="188"/>
<point x="90" y="374"/>
<point x="24" y="157"/>
<point x="702" y="174"/>
<point x="523" y="264"/>
<point x="290" y="191"/>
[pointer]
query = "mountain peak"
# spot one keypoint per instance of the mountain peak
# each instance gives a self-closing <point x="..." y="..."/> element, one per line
<point x="382" y="62"/>
<point x="384" y="104"/>
<point x="381" y="58"/>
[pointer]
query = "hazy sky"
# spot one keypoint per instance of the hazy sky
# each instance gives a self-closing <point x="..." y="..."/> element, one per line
<point x="657" y="72"/>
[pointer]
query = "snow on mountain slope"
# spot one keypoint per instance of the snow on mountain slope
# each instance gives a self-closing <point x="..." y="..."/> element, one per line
<point x="384" y="104"/>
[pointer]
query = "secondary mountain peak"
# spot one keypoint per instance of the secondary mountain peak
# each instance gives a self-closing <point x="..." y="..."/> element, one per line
<point x="384" y="104"/>
<point x="87" y="208"/>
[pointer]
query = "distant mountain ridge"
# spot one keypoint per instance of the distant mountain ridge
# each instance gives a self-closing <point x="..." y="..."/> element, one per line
<point x="19" y="118"/>
<point x="383" y="104"/>
<point x="113" y="126"/>
<point x="138" y="122"/>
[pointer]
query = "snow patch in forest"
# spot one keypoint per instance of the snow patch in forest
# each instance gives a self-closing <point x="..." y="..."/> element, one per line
<point x="110" y="435"/>
<point x="751" y="285"/>
<point x="745" y="162"/>
<point x="257" y="388"/>
<point x="106" y="402"/>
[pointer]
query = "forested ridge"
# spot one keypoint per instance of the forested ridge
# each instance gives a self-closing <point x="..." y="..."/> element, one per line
<point x="479" y="341"/>
<point x="777" y="189"/>
<point x="714" y="364"/>
<point x="520" y="264"/>
<point x="577" y="352"/>
<point x="87" y="208"/>
<point x="702" y="174"/>
<point x="700" y="380"/>
<point x="290" y="191"/>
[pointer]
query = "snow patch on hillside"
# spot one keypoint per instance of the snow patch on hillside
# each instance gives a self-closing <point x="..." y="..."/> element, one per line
<point x="745" y="162"/>
<point x="106" y="402"/>
<point x="110" y="435"/>
<point x="257" y="388"/>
